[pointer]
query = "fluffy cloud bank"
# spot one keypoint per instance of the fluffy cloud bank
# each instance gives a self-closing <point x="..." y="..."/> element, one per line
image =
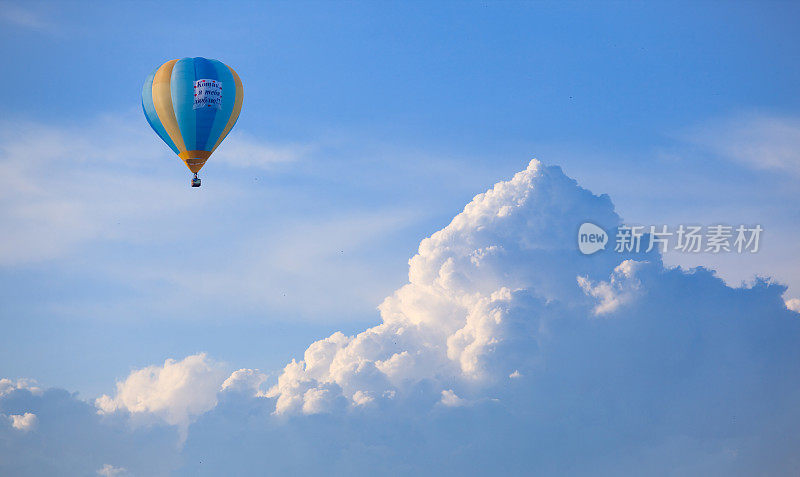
<point x="176" y="392"/>
<point x="508" y="352"/>
<point x="460" y="320"/>
<point x="8" y="386"/>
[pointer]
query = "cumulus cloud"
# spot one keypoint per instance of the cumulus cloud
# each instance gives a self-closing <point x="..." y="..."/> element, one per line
<point x="672" y="371"/>
<point x="68" y="437"/>
<point x="176" y="392"/>
<point x="793" y="304"/>
<point x="23" y="422"/>
<point x="245" y="381"/>
<point x="618" y="290"/>
<point x="7" y="386"/>
<point x="636" y="367"/>
<point x="454" y="322"/>
<point x="450" y="399"/>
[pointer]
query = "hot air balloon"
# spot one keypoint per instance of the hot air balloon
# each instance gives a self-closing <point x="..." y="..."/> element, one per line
<point x="192" y="104"/>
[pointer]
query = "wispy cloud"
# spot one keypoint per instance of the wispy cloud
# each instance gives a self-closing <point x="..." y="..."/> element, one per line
<point x="66" y="186"/>
<point x="17" y="15"/>
<point x="241" y="149"/>
<point x="311" y="268"/>
<point x="109" y="184"/>
<point x="69" y="185"/>
<point x="758" y="141"/>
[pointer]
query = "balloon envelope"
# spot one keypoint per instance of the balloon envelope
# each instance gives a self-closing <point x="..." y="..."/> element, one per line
<point x="192" y="104"/>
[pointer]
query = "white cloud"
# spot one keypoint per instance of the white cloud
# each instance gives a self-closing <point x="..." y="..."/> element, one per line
<point x="450" y="399"/>
<point x="23" y="422"/>
<point x="619" y="290"/>
<point x="244" y="380"/>
<point x="7" y="386"/>
<point x="109" y="470"/>
<point x="758" y="141"/>
<point x="684" y="369"/>
<point x="176" y="392"/>
<point x="447" y="324"/>
<point x="55" y="432"/>
<point x="362" y="398"/>
<point x="502" y="292"/>
<point x="241" y="149"/>
<point x="793" y="304"/>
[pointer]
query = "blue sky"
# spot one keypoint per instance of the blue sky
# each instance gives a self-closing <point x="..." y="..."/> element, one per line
<point x="365" y="128"/>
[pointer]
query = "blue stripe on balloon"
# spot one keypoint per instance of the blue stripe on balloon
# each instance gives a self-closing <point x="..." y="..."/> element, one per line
<point x="150" y="113"/>
<point x="182" y="92"/>
<point x="204" y="69"/>
<point x="228" y="99"/>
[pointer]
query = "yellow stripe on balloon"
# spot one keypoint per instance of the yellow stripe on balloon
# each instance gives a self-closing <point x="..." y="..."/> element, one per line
<point x="237" y="108"/>
<point x="162" y="100"/>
